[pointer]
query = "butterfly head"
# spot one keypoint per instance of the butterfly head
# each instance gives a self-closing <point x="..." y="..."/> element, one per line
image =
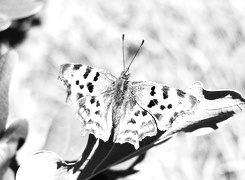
<point x="125" y="75"/>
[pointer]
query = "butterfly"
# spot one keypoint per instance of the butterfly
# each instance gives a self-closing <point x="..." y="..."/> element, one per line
<point x="130" y="110"/>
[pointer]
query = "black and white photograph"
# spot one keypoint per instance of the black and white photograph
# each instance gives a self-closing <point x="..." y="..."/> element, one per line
<point x="122" y="90"/>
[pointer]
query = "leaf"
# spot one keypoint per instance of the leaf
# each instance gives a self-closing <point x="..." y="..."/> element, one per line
<point x="7" y="63"/>
<point x="12" y="10"/>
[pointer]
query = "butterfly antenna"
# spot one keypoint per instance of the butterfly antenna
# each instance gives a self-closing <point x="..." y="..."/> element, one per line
<point x="135" y="55"/>
<point x="123" y="51"/>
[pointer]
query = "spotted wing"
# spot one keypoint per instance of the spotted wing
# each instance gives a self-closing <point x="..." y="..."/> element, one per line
<point x="164" y="103"/>
<point x="135" y="124"/>
<point x="82" y="80"/>
<point x="91" y="90"/>
<point x="95" y="114"/>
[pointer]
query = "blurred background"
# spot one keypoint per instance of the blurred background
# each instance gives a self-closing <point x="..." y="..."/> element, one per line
<point x="185" y="41"/>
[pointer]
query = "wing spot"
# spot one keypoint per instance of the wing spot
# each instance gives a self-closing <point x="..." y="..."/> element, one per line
<point x="81" y="86"/>
<point x="97" y="124"/>
<point x="90" y="121"/>
<point x="144" y="113"/>
<point x="79" y="95"/>
<point x="132" y="121"/>
<point x="68" y="91"/>
<point x="165" y="96"/>
<point x="180" y="93"/>
<point x="153" y="91"/>
<point x="97" y="103"/>
<point x="92" y="100"/>
<point x="87" y="111"/>
<point x="158" y="116"/>
<point x="137" y="113"/>
<point x="170" y="106"/>
<point x="90" y="87"/>
<point x="96" y="76"/>
<point x="127" y="131"/>
<point x="77" y="82"/>
<point x="135" y="132"/>
<point x="76" y="66"/>
<point x="83" y="109"/>
<point x="162" y="107"/>
<point x="152" y="103"/>
<point x="88" y="70"/>
<point x="98" y="113"/>
<point x="165" y="90"/>
<point x="172" y="119"/>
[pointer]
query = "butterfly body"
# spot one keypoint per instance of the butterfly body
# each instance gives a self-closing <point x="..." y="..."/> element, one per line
<point x="121" y="96"/>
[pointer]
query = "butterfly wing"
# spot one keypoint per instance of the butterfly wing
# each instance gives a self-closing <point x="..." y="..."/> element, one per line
<point x="82" y="80"/>
<point x="135" y="125"/>
<point x="91" y="89"/>
<point x="164" y="103"/>
<point x="95" y="114"/>
<point x="151" y="105"/>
